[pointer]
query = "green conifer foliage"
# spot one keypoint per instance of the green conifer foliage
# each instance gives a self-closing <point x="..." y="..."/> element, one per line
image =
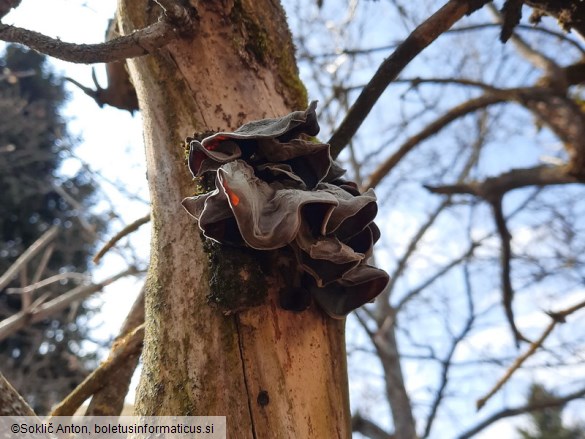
<point x="547" y="423"/>
<point x="46" y="360"/>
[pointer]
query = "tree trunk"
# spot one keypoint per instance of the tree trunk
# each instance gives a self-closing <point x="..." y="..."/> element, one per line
<point x="273" y="373"/>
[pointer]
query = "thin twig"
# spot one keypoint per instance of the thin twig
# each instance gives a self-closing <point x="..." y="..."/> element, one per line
<point x="42" y="265"/>
<point x="129" y="346"/>
<point x="541" y="29"/>
<point x="414" y="82"/>
<point x="36" y="313"/>
<point x="432" y="129"/>
<point x="556" y="317"/>
<point x="447" y="362"/>
<point x="403" y="261"/>
<point x="389" y="70"/>
<point x="508" y="181"/>
<point x="440" y="273"/>
<point x="30" y="253"/>
<point x="132" y="227"/>
<point x="48" y="281"/>
<point x="506" y="268"/>
<point x="555" y="402"/>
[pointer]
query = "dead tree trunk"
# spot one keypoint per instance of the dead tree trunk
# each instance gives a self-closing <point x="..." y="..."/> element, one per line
<point x="273" y="373"/>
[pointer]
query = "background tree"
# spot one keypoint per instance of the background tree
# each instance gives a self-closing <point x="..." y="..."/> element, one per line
<point x="45" y="361"/>
<point x="547" y="423"/>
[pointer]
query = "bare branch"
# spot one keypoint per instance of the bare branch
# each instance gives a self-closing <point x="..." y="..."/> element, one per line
<point x="42" y="265"/>
<point x="492" y="190"/>
<point x="513" y="179"/>
<point x="74" y="204"/>
<point x="506" y="413"/>
<point x="368" y="428"/>
<point x="557" y="317"/>
<point x="132" y="227"/>
<point x="109" y="400"/>
<point x="432" y="129"/>
<point x="414" y="82"/>
<point x="130" y="346"/>
<point x="119" y="93"/>
<point x="37" y="313"/>
<point x="387" y="349"/>
<point x="414" y="44"/>
<point x="441" y="272"/>
<point x="30" y="253"/>
<point x="457" y="81"/>
<point x="559" y="35"/>
<point x="414" y="243"/>
<point x="48" y="281"/>
<point x="138" y="43"/>
<point x="506" y="268"/>
<point x="446" y="363"/>
<point x="365" y="51"/>
<point x="471" y="161"/>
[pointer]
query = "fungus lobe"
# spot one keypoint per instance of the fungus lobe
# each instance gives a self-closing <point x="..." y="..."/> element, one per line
<point x="276" y="188"/>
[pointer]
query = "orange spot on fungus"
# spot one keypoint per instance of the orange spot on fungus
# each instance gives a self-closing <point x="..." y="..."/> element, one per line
<point x="234" y="199"/>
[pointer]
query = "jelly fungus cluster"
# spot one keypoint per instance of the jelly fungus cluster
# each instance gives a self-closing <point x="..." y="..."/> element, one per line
<point x="275" y="188"/>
